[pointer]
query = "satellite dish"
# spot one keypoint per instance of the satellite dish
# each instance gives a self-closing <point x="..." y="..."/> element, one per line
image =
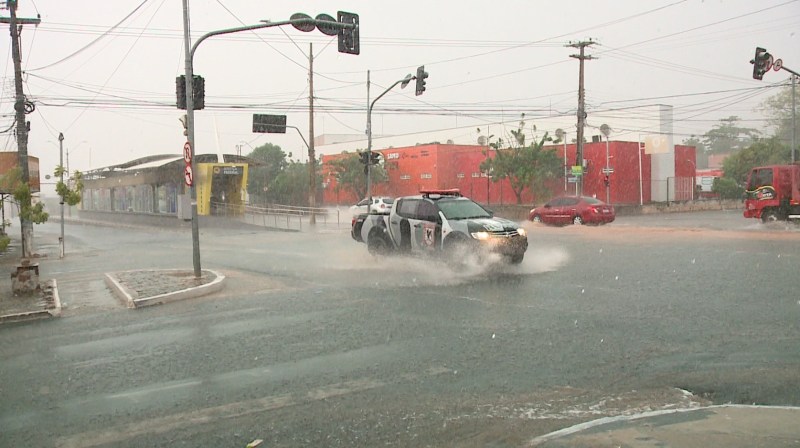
<point x="560" y="134"/>
<point x="482" y="140"/>
<point x="304" y="27"/>
<point x="605" y="130"/>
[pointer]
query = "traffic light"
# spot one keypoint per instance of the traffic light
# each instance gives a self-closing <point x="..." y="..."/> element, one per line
<point x="180" y="91"/>
<point x="348" y="38"/>
<point x="421" y="75"/>
<point x="374" y="158"/>
<point x="762" y="62"/>
<point x="199" y="90"/>
<point x="199" y="85"/>
<point x="364" y="156"/>
<point x="606" y="180"/>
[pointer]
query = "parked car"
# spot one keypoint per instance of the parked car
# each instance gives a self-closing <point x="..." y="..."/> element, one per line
<point x="380" y="204"/>
<point x="573" y="209"/>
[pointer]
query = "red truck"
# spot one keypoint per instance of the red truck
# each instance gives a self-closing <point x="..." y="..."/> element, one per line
<point x="773" y="193"/>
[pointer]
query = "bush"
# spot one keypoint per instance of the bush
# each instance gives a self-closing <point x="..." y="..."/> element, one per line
<point x="727" y="188"/>
<point x="4" y="241"/>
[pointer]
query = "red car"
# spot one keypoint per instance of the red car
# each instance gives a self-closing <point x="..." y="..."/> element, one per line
<point x="573" y="209"/>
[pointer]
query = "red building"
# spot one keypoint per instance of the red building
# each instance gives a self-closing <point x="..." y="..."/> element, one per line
<point x="435" y="166"/>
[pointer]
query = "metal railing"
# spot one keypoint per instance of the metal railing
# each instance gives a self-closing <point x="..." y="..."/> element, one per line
<point x="278" y="216"/>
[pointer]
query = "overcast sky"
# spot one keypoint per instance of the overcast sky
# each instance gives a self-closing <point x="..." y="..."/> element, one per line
<point x="111" y="89"/>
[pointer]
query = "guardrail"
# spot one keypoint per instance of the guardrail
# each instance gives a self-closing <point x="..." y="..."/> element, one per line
<point x="278" y="216"/>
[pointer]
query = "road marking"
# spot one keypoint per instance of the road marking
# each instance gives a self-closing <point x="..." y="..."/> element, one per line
<point x="167" y="423"/>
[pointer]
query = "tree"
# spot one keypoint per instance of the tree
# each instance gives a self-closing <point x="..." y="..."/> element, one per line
<point x="763" y="152"/>
<point x="778" y="109"/>
<point x="727" y="188"/>
<point x="290" y="186"/>
<point x="69" y="195"/>
<point x="21" y="192"/>
<point x="524" y="166"/>
<point x="349" y="173"/>
<point x="272" y="161"/>
<point x="726" y="136"/>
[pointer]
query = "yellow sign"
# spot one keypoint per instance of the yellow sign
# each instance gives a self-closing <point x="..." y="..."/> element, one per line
<point x="577" y="170"/>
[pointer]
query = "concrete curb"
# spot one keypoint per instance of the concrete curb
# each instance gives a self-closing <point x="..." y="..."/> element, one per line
<point x="628" y="418"/>
<point x="132" y="300"/>
<point x="38" y="314"/>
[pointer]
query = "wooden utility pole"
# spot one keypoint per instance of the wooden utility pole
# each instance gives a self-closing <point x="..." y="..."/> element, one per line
<point x="312" y="164"/>
<point x="20" y="106"/>
<point x="581" y="105"/>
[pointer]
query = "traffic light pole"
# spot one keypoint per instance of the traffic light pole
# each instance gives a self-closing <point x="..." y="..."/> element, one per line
<point x="403" y="81"/>
<point x="190" y="50"/>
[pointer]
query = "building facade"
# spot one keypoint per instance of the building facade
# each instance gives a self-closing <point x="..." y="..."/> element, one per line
<point x="437" y="166"/>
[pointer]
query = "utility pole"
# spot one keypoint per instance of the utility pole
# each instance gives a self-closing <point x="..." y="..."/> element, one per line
<point x="312" y="164"/>
<point x="581" y="105"/>
<point x="794" y="119"/>
<point x="20" y="106"/>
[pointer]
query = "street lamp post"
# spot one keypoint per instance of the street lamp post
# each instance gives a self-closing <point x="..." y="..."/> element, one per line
<point x="408" y="78"/>
<point x="61" y="179"/>
<point x="302" y="22"/>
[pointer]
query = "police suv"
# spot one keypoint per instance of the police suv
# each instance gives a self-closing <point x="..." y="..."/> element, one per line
<point x="440" y="223"/>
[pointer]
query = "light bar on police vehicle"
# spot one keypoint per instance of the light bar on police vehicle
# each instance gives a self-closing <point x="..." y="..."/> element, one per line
<point x="451" y="192"/>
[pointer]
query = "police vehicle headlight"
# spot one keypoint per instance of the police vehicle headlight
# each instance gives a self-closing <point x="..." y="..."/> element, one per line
<point x="522" y="232"/>
<point x="480" y="235"/>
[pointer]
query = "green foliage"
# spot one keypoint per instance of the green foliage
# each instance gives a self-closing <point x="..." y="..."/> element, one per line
<point x="21" y="192"/>
<point x="726" y="136"/>
<point x="349" y="173"/>
<point x="524" y="166"/>
<point x="727" y="188"/>
<point x="260" y="178"/>
<point x="4" y="242"/>
<point x="763" y="152"/>
<point x="68" y="195"/>
<point x="290" y="186"/>
<point x="778" y="109"/>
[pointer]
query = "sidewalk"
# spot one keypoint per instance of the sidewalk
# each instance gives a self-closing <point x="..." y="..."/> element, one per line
<point x="714" y="426"/>
<point x="134" y="288"/>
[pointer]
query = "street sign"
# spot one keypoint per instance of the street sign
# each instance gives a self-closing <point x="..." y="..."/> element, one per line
<point x="577" y="170"/>
<point x="269" y="124"/>
<point x="572" y="179"/>
<point x="608" y="170"/>
<point x="187" y="152"/>
<point x="777" y="65"/>
<point x="188" y="176"/>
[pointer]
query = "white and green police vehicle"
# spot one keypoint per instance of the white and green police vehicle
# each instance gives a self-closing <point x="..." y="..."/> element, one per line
<point x="440" y="223"/>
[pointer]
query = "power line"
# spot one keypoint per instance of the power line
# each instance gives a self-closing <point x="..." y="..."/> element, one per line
<point x="70" y="56"/>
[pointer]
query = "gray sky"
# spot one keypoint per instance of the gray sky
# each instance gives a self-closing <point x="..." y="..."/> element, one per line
<point x="488" y="62"/>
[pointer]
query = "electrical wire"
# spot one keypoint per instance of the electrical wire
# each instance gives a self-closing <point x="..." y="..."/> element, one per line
<point x="85" y="47"/>
<point x="127" y="53"/>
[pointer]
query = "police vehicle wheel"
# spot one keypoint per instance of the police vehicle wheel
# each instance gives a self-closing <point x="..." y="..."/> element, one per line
<point x="577" y="220"/>
<point x="516" y="259"/>
<point x="377" y="244"/>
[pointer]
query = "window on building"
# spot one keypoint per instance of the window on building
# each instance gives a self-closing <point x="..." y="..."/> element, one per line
<point x="476" y="175"/>
<point x="460" y="175"/>
<point x="405" y="177"/>
<point x="425" y="176"/>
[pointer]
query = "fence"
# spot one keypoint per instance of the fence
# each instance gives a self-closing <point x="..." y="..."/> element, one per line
<point x="284" y="217"/>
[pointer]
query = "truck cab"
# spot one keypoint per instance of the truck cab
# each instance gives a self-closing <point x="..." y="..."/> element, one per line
<point x="773" y="193"/>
